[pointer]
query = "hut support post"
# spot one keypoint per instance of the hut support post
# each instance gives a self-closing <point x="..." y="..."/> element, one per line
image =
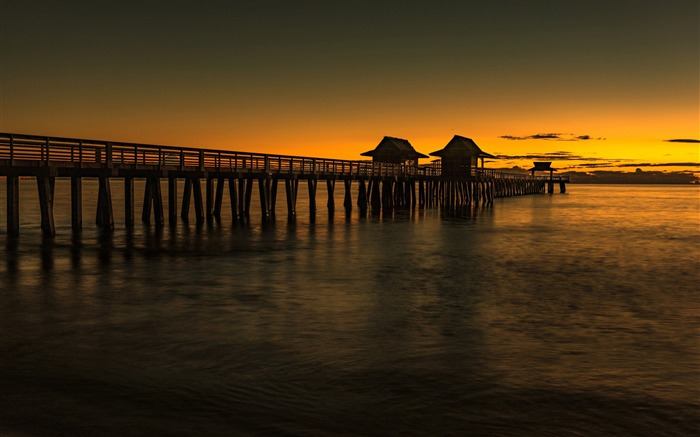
<point x="362" y="197"/>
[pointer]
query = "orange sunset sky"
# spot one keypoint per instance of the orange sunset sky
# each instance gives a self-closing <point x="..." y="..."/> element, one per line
<point x="591" y="85"/>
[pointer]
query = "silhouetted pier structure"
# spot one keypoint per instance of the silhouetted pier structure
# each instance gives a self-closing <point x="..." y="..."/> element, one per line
<point x="381" y="186"/>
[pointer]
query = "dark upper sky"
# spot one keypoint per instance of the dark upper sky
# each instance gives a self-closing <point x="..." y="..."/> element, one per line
<point x="331" y="78"/>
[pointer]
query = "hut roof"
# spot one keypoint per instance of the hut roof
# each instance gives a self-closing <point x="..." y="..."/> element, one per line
<point x="399" y="144"/>
<point x="543" y="166"/>
<point x="460" y="145"/>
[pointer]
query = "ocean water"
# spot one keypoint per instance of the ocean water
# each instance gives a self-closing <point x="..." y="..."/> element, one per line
<point x="571" y="314"/>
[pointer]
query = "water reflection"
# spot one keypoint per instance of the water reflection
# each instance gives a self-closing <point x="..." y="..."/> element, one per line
<point x="506" y="321"/>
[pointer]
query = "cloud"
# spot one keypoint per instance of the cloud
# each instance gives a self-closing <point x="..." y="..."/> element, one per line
<point x="551" y="136"/>
<point x="619" y="164"/>
<point x="558" y="156"/>
<point x="682" y="140"/>
<point x="663" y="164"/>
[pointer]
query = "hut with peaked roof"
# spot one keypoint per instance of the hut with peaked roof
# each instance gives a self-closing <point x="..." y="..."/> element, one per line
<point x="460" y="157"/>
<point x="395" y="151"/>
<point x="543" y="166"/>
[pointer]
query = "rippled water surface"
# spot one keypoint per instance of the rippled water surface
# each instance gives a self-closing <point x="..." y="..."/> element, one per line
<point x="544" y="315"/>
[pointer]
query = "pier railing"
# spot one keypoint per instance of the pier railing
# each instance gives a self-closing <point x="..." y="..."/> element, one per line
<point x="71" y="152"/>
<point x="32" y="150"/>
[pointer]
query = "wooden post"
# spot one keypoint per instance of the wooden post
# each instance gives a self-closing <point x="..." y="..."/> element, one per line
<point x="172" y="200"/>
<point x="197" y="195"/>
<point x="562" y="187"/>
<point x="248" y="195"/>
<point x="186" y="195"/>
<point x="147" y="196"/>
<point x="347" y="200"/>
<point x="209" y="198"/>
<point x="263" y="190"/>
<point x="76" y="202"/>
<point x="105" y="216"/>
<point x="12" y="205"/>
<point x="232" y="191"/>
<point x="362" y="197"/>
<point x="312" y="194"/>
<point x="290" y="187"/>
<point x="157" y="197"/>
<point x="218" y="199"/>
<point x="387" y="194"/>
<point x="273" y="196"/>
<point x="241" y="200"/>
<point x="376" y="197"/>
<point x="129" y="201"/>
<point x="330" y="187"/>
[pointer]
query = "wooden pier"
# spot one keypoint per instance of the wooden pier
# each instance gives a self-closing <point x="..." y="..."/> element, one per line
<point x="378" y="186"/>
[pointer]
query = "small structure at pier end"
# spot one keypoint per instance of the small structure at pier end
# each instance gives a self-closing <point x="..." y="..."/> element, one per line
<point x="459" y="159"/>
<point x="395" y="151"/>
<point x="546" y="166"/>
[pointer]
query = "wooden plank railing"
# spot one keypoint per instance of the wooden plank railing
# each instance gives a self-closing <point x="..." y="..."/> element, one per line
<point x="83" y="152"/>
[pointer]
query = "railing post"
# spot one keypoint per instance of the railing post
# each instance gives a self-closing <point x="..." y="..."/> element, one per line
<point x="108" y="151"/>
<point x="12" y="150"/>
<point x="201" y="160"/>
<point x="267" y="164"/>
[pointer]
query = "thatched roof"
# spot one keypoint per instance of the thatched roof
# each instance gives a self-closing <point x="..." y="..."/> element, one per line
<point x="403" y="147"/>
<point x="461" y="146"/>
<point x="543" y="166"/>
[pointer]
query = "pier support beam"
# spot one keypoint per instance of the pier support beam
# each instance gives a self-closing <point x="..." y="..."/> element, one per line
<point x="46" y="185"/>
<point x="209" y="198"/>
<point x="264" y="189"/>
<point x="347" y="200"/>
<point x="12" y="205"/>
<point x="375" y="197"/>
<point x="192" y="191"/>
<point x="313" y="183"/>
<point x="105" y="216"/>
<point x="247" y="198"/>
<point x="290" y="187"/>
<point x="76" y="202"/>
<point x="362" y="197"/>
<point x="233" y="198"/>
<point x="330" y="188"/>
<point x="153" y="198"/>
<point x="172" y="200"/>
<point x="218" y="198"/>
<point x="129" y="201"/>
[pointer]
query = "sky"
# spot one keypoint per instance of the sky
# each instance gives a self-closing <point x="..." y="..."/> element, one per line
<point x="591" y="85"/>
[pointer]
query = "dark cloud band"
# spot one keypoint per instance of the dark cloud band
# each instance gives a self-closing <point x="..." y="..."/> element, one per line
<point x="551" y="136"/>
<point x="682" y="140"/>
